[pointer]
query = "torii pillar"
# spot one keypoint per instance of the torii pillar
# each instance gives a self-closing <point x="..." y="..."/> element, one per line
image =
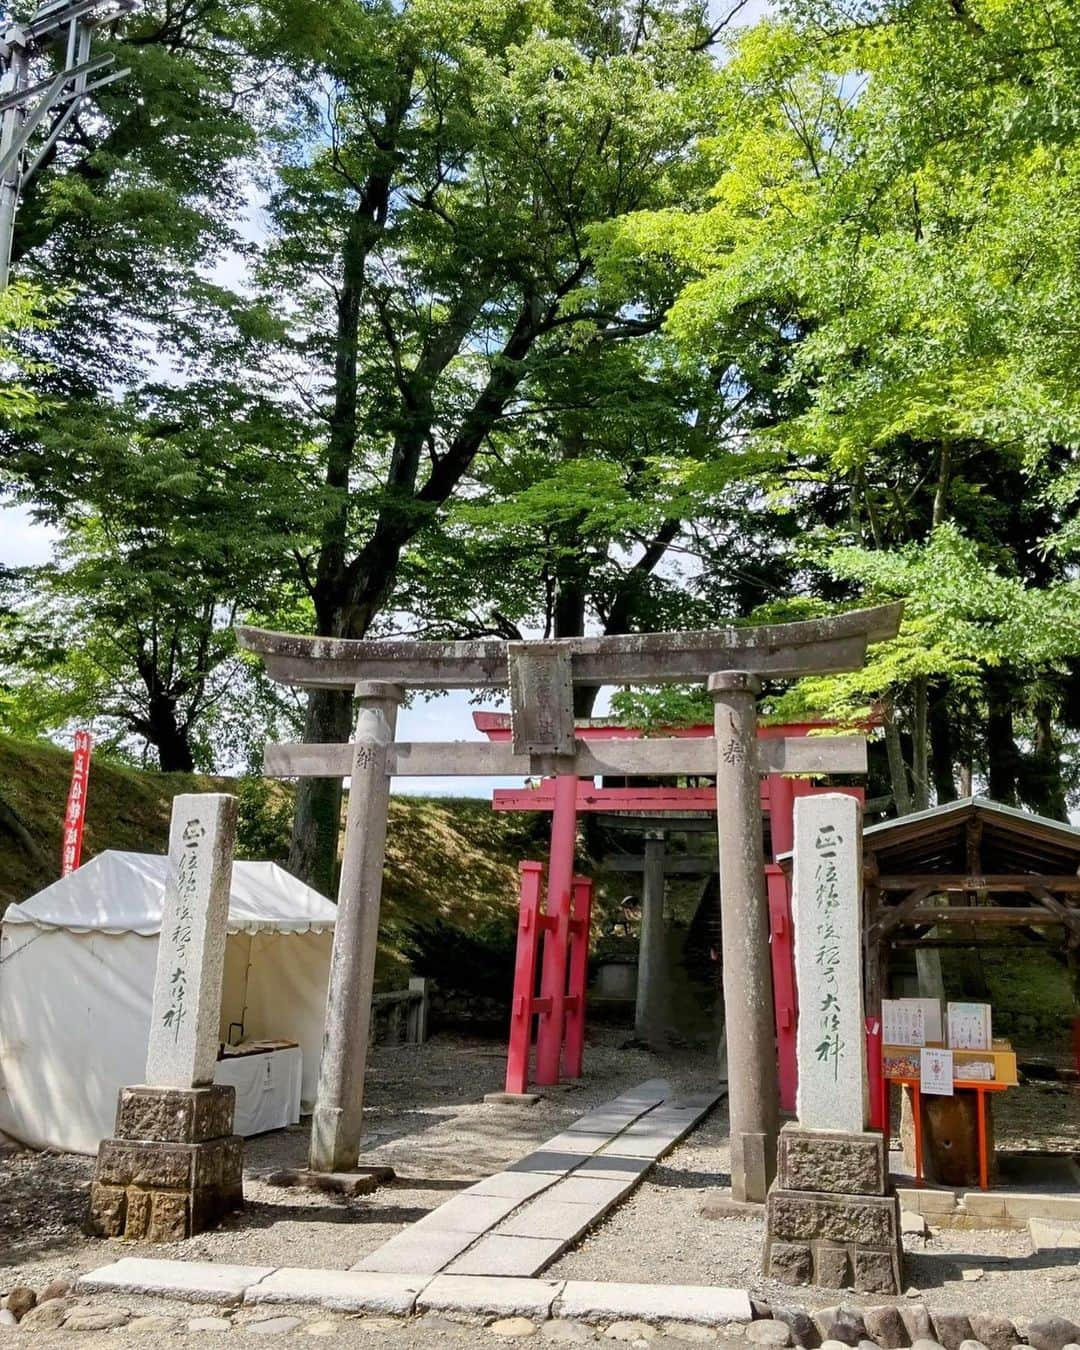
<point x="541" y="677"/>
<point x="748" y="991"/>
<point x="336" y="1124"/>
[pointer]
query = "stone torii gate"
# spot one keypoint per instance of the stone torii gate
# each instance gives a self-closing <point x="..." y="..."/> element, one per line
<point x="541" y="678"/>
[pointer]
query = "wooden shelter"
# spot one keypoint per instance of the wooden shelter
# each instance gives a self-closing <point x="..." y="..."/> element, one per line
<point x="975" y="863"/>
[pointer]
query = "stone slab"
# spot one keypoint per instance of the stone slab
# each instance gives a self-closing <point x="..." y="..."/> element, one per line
<point x="1048" y="1235"/>
<point x="468" y="1214"/>
<point x="1043" y="1207"/>
<point x="609" y="1120"/>
<point x="511" y="1098"/>
<point x="803" y="1216"/>
<point x="599" y="1192"/>
<point x="542" y="1160"/>
<point x="578" y="1141"/>
<point x="341" y="1290"/>
<point x="826" y="909"/>
<point x="416" y="1251"/>
<point x="652" y="1146"/>
<point x="521" y="1185"/>
<point x="362" y="1181"/>
<point x="988" y="1206"/>
<point x="194" y="1281"/>
<point x="591" y="1300"/>
<point x="721" y="1204"/>
<point x="651" y="1093"/>
<point x="831" y="1160"/>
<point x="614" y="1166"/>
<point x="500" y="1254"/>
<point x="545" y="1218"/>
<point x="701" y="1101"/>
<point x="132" y="1162"/>
<point x="175" y="1115"/>
<point x="927" y="1200"/>
<point x="483" y="1294"/>
<point x="184" y="1024"/>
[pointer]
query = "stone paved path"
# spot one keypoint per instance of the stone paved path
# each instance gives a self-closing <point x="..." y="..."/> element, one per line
<point x="517" y="1222"/>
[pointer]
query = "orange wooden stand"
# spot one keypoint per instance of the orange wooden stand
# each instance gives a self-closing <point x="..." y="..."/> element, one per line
<point x="979" y="1086"/>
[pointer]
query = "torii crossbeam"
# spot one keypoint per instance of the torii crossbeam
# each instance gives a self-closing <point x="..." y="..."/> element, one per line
<point x="541" y="677"/>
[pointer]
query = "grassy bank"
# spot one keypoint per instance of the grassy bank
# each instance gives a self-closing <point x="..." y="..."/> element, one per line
<point x="449" y="859"/>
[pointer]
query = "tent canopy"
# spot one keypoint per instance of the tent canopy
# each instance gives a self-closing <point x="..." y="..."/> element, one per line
<point x="77" y="966"/>
<point x="118" y="892"/>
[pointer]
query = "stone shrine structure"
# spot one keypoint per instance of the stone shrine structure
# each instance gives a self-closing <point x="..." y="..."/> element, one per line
<point x="831" y="1217"/>
<point x="541" y="677"/>
<point x="175" y="1166"/>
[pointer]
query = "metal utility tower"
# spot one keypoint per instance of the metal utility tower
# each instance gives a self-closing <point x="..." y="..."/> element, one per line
<point x="39" y="96"/>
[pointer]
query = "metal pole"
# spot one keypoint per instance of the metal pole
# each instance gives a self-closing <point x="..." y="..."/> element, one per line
<point x="336" y="1126"/>
<point x="748" y="995"/>
<point x="10" y="123"/>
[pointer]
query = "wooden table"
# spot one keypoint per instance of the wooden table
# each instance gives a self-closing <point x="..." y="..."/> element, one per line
<point x="980" y="1086"/>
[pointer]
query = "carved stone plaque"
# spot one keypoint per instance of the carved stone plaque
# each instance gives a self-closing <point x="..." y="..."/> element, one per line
<point x="541" y="698"/>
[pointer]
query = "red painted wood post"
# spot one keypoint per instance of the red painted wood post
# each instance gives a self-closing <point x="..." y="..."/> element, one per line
<point x="781" y="799"/>
<point x="530" y="926"/>
<point x="549" y="1031"/>
<point x="785" y="997"/>
<point x="574" y="1034"/>
<point x="875" y="1072"/>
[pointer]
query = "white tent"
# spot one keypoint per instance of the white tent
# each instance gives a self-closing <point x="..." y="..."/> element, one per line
<point x="77" y="977"/>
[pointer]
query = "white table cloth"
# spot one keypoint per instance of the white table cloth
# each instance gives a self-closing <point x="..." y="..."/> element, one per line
<point x="267" y="1088"/>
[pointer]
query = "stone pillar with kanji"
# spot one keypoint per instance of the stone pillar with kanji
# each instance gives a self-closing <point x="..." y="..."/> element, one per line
<point x="832" y="1218"/>
<point x="174" y="1167"/>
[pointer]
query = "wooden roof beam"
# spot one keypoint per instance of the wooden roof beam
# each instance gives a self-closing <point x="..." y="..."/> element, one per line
<point x="1005" y="881"/>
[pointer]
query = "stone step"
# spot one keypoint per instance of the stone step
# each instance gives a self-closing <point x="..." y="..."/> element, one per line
<point x="404" y="1294"/>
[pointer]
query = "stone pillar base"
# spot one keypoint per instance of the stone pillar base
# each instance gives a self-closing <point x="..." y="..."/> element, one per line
<point x="750" y="1156"/>
<point x="174" y="1168"/>
<point x="830" y="1219"/>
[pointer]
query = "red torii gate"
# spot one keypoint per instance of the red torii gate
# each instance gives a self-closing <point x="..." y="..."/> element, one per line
<point x="565" y="797"/>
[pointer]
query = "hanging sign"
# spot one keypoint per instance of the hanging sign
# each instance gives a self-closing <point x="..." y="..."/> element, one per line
<point x="936" y="1072"/>
<point x="75" y="814"/>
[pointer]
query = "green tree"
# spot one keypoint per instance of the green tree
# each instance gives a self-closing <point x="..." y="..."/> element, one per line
<point x="432" y="235"/>
<point x="170" y="529"/>
<point x="896" y="201"/>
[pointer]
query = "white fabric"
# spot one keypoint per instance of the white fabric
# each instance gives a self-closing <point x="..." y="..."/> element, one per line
<point x="76" y="984"/>
<point x="267" y="1088"/>
<point x="124" y="893"/>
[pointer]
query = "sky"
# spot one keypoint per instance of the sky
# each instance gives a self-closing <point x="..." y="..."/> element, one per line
<point x="24" y="543"/>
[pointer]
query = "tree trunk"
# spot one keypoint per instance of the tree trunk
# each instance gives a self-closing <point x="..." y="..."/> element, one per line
<point x="1002" y="756"/>
<point x="167" y="736"/>
<point x="569" y="619"/>
<point x="941" y="744"/>
<point x="1046" y="789"/>
<point x="317" y="816"/>
<point x="941" y="491"/>
<point x="11" y="824"/>
<point x="898" y="774"/>
<point x="920" y="744"/>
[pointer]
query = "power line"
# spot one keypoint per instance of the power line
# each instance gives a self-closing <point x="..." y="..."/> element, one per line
<point x="35" y="110"/>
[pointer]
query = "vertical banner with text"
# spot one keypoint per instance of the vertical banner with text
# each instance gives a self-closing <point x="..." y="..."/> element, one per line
<point x="75" y="813"/>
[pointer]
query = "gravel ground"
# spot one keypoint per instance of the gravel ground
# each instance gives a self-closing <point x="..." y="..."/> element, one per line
<point x="425" y="1117"/>
<point x="659" y="1235"/>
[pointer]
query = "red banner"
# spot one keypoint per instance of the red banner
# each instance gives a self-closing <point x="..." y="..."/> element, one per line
<point x="75" y="814"/>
